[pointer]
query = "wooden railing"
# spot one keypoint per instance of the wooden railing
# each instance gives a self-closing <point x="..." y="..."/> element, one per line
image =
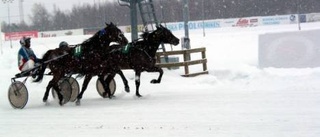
<point x="186" y="60"/>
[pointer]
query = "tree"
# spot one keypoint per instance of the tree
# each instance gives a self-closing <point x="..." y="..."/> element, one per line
<point x="41" y="18"/>
<point x="94" y="16"/>
<point x="60" y="20"/>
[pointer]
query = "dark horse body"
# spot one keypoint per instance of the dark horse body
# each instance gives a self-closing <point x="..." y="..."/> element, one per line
<point x="141" y="54"/>
<point x="88" y="61"/>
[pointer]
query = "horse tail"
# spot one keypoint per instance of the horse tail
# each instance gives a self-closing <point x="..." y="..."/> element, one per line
<point x="43" y="66"/>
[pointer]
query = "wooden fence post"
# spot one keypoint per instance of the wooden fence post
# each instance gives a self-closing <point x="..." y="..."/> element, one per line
<point x="186" y="58"/>
<point x="204" y="64"/>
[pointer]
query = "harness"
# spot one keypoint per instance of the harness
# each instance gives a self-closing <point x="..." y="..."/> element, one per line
<point x="126" y="49"/>
<point x="145" y="52"/>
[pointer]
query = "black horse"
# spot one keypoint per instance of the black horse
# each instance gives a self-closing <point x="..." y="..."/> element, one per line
<point x="140" y="55"/>
<point x="108" y="66"/>
<point x="83" y="58"/>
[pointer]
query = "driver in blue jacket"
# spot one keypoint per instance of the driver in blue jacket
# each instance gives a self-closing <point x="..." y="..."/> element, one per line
<point x="26" y="56"/>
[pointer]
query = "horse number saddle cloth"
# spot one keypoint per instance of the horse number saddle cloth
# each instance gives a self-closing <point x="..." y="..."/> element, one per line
<point x="126" y="49"/>
<point x="77" y="51"/>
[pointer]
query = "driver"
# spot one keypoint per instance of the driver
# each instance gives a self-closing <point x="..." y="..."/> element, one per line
<point x="26" y="56"/>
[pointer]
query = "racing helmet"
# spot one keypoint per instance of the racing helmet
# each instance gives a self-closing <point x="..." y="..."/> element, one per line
<point x="25" y="41"/>
<point x="63" y="44"/>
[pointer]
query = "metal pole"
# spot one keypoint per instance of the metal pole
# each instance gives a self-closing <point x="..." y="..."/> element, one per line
<point x="203" y="26"/>
<point x="298" y="10"/>
<point x="1" y="37"/>
<point x="162" y="14"/>
<point x="9" y="23"/>
<point x="186" y="17"/>
<point x="134" y="20"/>
<point x="186" y="25"/>
<point x="133" y="15"/>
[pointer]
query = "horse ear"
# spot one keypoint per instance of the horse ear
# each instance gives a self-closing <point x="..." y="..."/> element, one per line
<point x="111" y="24"/>
<point x="106" y="24"/>
<point x="157" y="26"/>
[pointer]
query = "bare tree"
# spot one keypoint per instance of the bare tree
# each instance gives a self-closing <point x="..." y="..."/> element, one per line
<point x="41" y="19"/>
<point x="94" y="16"/>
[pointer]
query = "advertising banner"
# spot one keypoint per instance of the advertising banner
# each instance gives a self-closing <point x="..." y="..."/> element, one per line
<point x="313" y="17"/>
<point x="46" y="34"/>
<point x="299" y="49"/>
<point x="276" y="20"/>
<point x="207" y="24"/>
<point x="18" y="35"/>
<point x="245" y="22"/>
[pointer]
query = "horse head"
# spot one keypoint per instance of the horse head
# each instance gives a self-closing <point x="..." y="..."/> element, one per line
<point x="113" y="34"/>
<point x="165" y="35"/>
<point x="103" y="38"/>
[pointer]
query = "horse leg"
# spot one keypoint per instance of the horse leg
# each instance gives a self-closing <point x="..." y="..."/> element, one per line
<point x="125" y="81"/>
<point x="55" y="86"/>
<point x="137" y="81"/>
<point x="105" y="86"/>
<point x="84" y="87"/>
<point x="156" y="69"/>
<point x="107" y="81"/>
<point x="58" y="90"/>
<point x="46" y="94"/>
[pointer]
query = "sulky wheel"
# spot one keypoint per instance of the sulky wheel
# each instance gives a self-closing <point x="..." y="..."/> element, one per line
<point x="112" y="86"/>
<point x="18" y="95"/>
<point x="75" y="89"/>
<point x="66" y="90"/>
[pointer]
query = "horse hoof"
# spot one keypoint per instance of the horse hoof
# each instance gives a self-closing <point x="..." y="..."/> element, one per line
<point x="78" y="103"/>
<point x="138" y="95"/>
<point x="127" y="89"/>
<point x="61" y="102"/>
<point x="105" y="95"/>
<point x="154" y="81"/>
<point x="46" y="103"/>
<point x="45" y="99"/>
<point x="112" y="96"/>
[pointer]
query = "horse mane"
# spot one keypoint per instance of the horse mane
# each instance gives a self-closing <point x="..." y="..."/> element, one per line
<point x="98" y="34"/>
<point x="91" y="39"/>
<point x="145" y="35"/>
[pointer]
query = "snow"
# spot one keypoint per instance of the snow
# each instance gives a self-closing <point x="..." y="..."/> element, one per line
<point x="235" y="99"/>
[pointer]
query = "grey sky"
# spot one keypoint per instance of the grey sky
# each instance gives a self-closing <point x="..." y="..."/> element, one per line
<point x="27" y="6"/>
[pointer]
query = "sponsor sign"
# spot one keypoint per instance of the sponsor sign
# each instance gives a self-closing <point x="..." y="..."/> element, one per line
<point x="19" y="35"/>
<point x="46" y="34"/>
<point x="313" y="17"/>
<point x="246" y="22"/>
<point x="208" y="24"/>
<point x="299" y="49"/>
<point x="303" y="18"/>
<point x="276" y="20"/>
<point x="128" y="29"/>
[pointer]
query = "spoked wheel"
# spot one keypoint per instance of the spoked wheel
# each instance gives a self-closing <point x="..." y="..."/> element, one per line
<point x="18" y="95"/>
<point x="75" y="89"/>
<point x="112" y="86"/>
<point x="66" y="90"/>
